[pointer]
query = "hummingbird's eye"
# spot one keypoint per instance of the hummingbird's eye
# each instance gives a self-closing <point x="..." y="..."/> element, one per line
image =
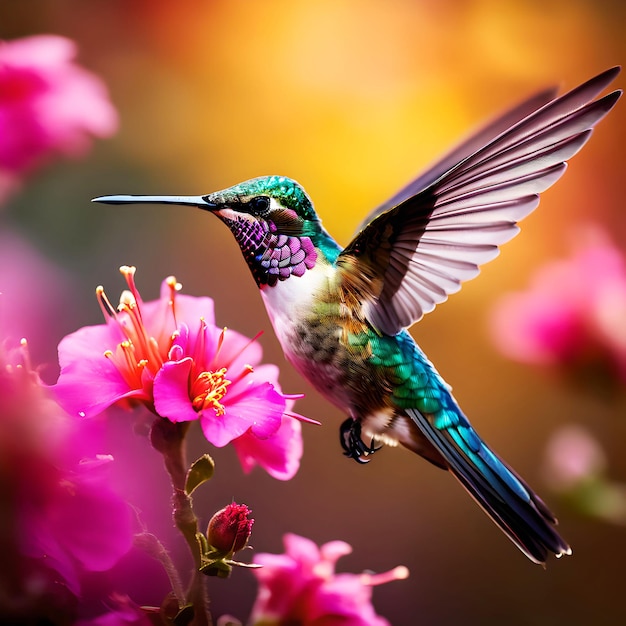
<point x="260" y="204"/>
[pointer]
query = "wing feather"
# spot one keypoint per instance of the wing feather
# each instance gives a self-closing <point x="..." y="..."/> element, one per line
<point x="464" y="149"/>
<point x="439" y="229"/>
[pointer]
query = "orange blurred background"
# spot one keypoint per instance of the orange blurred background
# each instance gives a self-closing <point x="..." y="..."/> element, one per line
<point x="351" y="98"/>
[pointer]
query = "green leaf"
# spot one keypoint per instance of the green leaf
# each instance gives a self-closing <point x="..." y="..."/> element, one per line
<point x="200" y="471"/>
<point x="216" y="567"/>
<point x="202" y="543"/>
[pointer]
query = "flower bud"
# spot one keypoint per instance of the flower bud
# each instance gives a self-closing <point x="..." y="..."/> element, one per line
<point x="230" y="528"/>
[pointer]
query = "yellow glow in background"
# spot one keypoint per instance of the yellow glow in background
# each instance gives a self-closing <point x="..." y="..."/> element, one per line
<point x="351" y="98"/>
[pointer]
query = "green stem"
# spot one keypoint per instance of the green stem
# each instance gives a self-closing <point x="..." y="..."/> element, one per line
<point x="198" y="597"/>
<point x="169" y="439"/>
<point x="150" y="544"/>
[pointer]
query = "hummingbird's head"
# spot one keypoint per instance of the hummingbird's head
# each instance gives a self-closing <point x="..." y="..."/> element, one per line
<point x="277" y="200"/>
<point x="271" y="217"/>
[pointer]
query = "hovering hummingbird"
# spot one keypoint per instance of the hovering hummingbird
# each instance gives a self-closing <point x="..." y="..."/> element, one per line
<point x="341" y="315"/>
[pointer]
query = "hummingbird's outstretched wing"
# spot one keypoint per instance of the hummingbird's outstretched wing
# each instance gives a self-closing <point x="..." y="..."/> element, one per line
<point x="412" y="256"/>
<point x="466" y="148"/>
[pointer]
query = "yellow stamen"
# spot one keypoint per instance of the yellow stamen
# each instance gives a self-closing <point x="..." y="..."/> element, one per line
<point x="247" y="369"/>
<point x="174" y="286"/>
<point x="208" y="389"/>
<point x="397" y="573"/>
<point x="105" y="305"/>
<point x="127" y="364"/>
<point x="138" y="349"/>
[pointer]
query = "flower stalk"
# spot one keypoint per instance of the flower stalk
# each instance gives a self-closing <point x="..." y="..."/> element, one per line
<point x="151" y="545"/>
<point x="169" y="439"/>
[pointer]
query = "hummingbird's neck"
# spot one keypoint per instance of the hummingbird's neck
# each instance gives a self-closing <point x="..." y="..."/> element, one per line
<point x="273" y="256"/>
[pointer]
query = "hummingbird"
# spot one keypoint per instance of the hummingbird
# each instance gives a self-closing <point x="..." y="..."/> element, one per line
<point x="341" y="315"/>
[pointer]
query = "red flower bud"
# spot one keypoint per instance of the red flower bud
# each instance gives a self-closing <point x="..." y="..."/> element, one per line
<point x="230" y="528"/>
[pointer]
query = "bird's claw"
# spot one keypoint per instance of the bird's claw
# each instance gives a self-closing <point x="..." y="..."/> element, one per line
<point x="353" y="446"/>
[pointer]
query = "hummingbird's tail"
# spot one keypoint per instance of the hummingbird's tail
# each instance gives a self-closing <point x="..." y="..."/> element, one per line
<point x="498" y="489"/>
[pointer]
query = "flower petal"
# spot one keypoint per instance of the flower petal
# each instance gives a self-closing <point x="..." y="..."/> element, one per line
<point x="281" y="583"/>
<point x="96" y="524"/>
<point x="301" y="587"/>
<point x="53" y="105"/>
<point x="279" y="455"/>
<point x="303" y="550"/>
<point x="171" y="391"/>
<point x="192" y="309"/>
<point x="88" y="343"/>
<point x="89" y="382"/>
<point x="260" y="405"/>
<point x="334" y="550"/>
<point x="220" y="430"/>
<point x="346" y="596"/>
<point x="39" y="541"/>
<point x="80" y="524"/>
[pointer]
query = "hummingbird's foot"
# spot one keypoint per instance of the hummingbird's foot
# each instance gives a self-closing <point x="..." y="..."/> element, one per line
<point x="353" y="446"/>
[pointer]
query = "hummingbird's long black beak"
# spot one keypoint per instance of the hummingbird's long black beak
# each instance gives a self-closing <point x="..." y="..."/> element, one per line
<point x="197" y="201"/>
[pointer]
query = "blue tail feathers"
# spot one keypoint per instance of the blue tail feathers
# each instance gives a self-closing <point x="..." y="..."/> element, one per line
<point x="498" y="489"/>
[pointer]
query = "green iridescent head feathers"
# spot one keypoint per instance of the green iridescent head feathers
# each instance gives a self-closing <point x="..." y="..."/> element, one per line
<point x="285" y="190"/>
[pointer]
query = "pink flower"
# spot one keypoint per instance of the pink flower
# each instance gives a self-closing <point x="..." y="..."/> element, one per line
<point x="48" y="105"/>
<point x="301" y="587"/>
<point x="168" y="355"/>
<point x="61" y="518"/>
<point x="207" y="380"/>
<point x="575" y="467"/>
<point x="74" y="522"/>
<point x="572" y="457"/>
<point x="572" y="315"/>
<point x="28" y="278"/>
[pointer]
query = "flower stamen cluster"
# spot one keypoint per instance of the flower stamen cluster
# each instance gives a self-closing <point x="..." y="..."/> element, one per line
<point x="208" y="389"/>
<point x="138" y="350"/>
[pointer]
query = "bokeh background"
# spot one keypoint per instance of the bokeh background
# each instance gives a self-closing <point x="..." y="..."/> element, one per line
<point x="351" y="98"/>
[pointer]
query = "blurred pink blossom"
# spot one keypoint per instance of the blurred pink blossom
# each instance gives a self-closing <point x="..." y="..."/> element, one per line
<point x="576" y="468"/>
<point x="169" y="355"/>
<point x="123" y="612"/>
<point x="48" y="105"/>
<point x="74" y="522"/>
<point x="27" y="279"/>
<point x="60" y="516"/>
<point x="573" y="314"/>
<point x="301" y="587"/>
<point x="573" y="456"/>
